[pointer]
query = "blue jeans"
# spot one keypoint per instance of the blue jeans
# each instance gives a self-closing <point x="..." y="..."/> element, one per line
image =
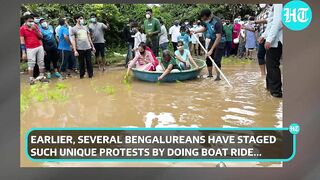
<point x="164" y="46"/>
<point x="66" y="60"/>
<point x="228" y="48"/>
<point x="75" y="63"/>
<point x="129" y="53"/>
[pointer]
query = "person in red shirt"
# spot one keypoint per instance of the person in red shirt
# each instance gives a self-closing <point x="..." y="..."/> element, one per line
<point x="235" y="35"/>
<point x="32" y="49"/>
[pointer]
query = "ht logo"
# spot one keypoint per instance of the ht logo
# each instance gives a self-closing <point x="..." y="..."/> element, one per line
<point x="296" y="15"/>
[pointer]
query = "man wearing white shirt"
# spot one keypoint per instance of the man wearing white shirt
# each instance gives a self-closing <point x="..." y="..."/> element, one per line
<point x="174" y="32"/>
<point x="273" y="44"/>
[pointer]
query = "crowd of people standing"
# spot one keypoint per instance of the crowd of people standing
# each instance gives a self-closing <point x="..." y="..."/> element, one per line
<point x="43" y="46"/>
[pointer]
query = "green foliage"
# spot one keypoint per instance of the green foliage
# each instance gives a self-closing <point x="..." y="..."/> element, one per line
<point x="23" y="66"/>
<point x="108" y="90"/>
<point x="127" y="81"/>
<point x="24" y="102"/>
<point x="117" y="15"/>
<point x="61" y="86"/>
<point x="115" y="59"/>
<point x="57" y="95"/>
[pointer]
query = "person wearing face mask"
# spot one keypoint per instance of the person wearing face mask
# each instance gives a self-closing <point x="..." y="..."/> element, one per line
<point x="187" y="24"/>
<point x="82" y="46"/>
<point x="144" y="59"/>
<point x="174" y="32"/>
<point x="184" y="37"/>
<point x="97" y="30"/>
<point x="184" y="57"/>
<point x="152" y="28"/>
<point x="36" y="67"/>
<point x="32" y="49"/>
<point x="251" y="41"/>
<point x="168" y="64"/>
<point x="228" y="29"/>
<point x="36" y="19"/>
<point x="50" y="48"/>
<point x="57" y="30"/>
<point x="216" y="34"/>
<point x="65" y="48"/>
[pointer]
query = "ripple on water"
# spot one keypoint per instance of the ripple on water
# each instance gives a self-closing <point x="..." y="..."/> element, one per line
<point x="241" y="111"/>
<point x="237" y="120"/>
<point x="165" y="119"/>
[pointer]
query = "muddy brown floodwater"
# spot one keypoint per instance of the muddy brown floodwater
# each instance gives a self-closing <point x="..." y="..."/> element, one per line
<point x="195" y="103"/>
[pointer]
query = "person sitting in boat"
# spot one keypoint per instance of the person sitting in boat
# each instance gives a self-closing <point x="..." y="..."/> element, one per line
<point x="144" y="59"/>
<point x="167" y="64"/>
<point x="184" y="57"/>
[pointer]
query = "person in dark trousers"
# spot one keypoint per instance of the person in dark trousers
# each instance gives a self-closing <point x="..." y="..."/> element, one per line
<point x="228" y="29"/>
<point x="128" y="34"/>
<point x="201" y="38"/>
<point x="152" y="28"/>
<point x="214" y="28"/>
<point x="82" y="46"/>
<point x="174" y="32"/>
<point x="273" y="44"/>
<point x="97" y="30"/>
<point x="50" y="48"/>
<point x="65" y="49"/>
<point x="261" y="25"/>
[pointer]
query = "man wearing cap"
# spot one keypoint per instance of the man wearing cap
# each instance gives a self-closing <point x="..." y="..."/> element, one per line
<point x="152" y="28"/>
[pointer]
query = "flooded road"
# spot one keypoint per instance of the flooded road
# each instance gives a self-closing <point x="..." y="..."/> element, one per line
<point x="105" y="101"/>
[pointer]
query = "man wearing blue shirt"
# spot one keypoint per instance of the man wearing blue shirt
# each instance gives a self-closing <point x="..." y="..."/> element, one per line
<point x="50" y="47"/>
<point x="184" y="37"/>
<point x="65" y="47"/>
<point x="214" y="28"/>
